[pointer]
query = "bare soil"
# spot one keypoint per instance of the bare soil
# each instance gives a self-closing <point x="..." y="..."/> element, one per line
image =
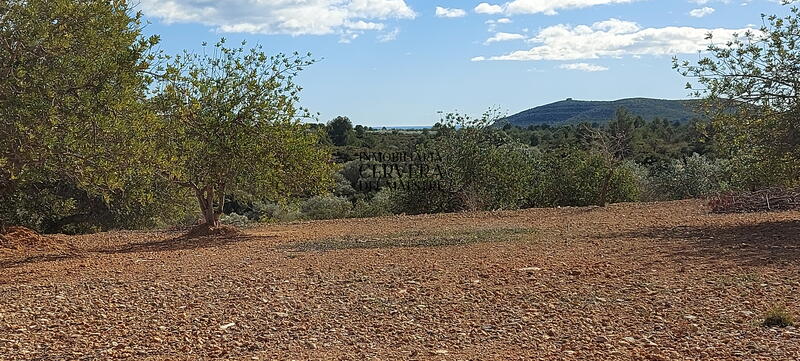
<point x="21" y="241"/>
<point x="657" y="281"/>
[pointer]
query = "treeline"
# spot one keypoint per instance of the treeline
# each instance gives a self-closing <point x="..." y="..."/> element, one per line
<point x="100" y="130"/>
<point x="483" y="167"/>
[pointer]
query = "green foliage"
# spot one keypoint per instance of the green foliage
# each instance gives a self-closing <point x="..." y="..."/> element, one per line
<point x="481" y="168"/>
<point x="693" y="177"/>
<point x="750" y="89"/>
<point x="576" y="178"/>
<point x="75" y="140"/>
<point x="234" y="219"/>
<point x="326" y="207"/>
<point x="340" y="131"/>
<point x="281" y="212"/>
<point x="573" y="112"/>
<point x="343" y="186"/>
<point x="383" y="203"/>
<point x="778" y="316"/>
<point x="231" y="126"/>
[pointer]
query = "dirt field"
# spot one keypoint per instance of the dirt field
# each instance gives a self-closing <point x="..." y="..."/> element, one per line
<point x="636" y="281"/>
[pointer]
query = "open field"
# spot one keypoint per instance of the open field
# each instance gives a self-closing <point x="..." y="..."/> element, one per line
<point x="641" y="281"/>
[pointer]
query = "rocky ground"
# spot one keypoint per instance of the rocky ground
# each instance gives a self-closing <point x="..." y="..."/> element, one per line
<point x="656" y="281"/>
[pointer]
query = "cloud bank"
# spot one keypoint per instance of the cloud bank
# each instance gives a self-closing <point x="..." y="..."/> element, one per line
<point x="614" y="38"/>
<point x="293" y="17"/>
<point x="547" y="7"/>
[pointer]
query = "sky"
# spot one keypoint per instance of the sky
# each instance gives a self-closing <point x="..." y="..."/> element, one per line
<point x="401" y="62"/>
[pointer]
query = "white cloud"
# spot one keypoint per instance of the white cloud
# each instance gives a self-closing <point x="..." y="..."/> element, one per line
<point x="615" y="38"/>
<point x="504" y="37"/>
<point x="478" y="58"/>
<point x="390" y="36"/>
<point x="703" y="2"/>
<point x="504" y="21"/>
<point x="550" y="7"/>
<point x="701" y="12"/>
<point x="294" y="17"/>
<point x="583" y="67"/>
<point x="486" y="8"/>
<point x="547" y="7"/>
<point x="449" y="13"/>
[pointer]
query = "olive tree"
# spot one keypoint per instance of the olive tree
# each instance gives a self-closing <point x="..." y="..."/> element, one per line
<point x="73" y="79"/>
<point x="750" y="86"/>
<point x="232" y="126"/>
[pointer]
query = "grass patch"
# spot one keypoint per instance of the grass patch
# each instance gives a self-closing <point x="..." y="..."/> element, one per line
<point x="744" y="279"/>
<point x="412" y="239"/>
<point x="778" y="316"/>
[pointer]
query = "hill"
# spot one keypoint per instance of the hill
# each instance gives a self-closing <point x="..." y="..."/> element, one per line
<point x="576" y="111"/>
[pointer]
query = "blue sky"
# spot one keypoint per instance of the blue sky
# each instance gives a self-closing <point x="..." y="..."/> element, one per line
<point x="398" y="62"/>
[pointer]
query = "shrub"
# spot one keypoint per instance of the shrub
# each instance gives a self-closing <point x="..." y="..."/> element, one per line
<point x="234" y="219"/>
<point x="778" y="316"/>
<point x="287" y="213"/>
<point x="576" y="178"/>
<point x="481" y="169"/>
<point x="276" y="212"/>
<point x="696" y="176"/>
<point x="383" y="203"/>
<point x="326" y="207"/>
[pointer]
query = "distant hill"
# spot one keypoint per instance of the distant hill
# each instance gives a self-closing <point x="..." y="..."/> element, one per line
<point x="576" y="111"/>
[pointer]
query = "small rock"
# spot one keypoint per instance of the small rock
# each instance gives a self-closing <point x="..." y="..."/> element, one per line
<point x="227" y="326"/>
<point x="629" y="339"/>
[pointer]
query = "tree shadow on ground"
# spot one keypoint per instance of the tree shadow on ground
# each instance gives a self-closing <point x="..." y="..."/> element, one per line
<point x="759" y="244"/>
<point x="179" y="243"/>
<point x="20" y="261"/>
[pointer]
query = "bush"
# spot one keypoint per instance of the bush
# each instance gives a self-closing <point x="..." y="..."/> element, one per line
<point x="577" y="178"/>
<point x="53" y="204"/>
<point x="481" y="169"/>
<point x="326" y="207"/>
<point x="383" y="203"/>
<point x="696" y="176"/>
<point x="275" y="212"/>
<point x="235" y="220"/>
<point x="778" y="316"/>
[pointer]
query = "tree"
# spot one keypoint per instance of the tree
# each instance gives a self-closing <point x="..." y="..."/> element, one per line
<point x="480" y="168"/>
<point x="750" y="88"/>
<point x="73" y="76"/>
<point x="232" y="126"/>
<point x="614" y="145"/>
<point x="340" y="130"/>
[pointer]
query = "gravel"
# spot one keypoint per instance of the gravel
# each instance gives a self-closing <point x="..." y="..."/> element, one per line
<point x="645" y="281"/>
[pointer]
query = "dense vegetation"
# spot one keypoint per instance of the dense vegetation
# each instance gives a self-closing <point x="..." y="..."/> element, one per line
<point x="100" y="131"/>
<point x="572" y="111"/>
<point x="485" y="167"/>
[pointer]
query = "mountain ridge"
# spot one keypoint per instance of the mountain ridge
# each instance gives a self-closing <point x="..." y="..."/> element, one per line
<point x="572" y="111"/>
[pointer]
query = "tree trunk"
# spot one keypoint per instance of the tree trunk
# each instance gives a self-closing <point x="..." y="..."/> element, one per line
<point x="205" y="197"/>
<point x="221" y="208"/>
<point x="606" y="185"/>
